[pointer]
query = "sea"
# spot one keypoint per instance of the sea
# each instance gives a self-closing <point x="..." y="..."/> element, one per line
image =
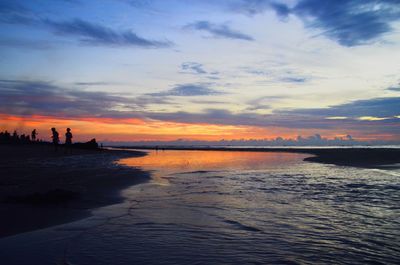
<point x="222" y="207"/>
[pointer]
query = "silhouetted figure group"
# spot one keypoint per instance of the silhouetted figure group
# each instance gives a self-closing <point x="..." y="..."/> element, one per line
<point x="14" y="138"/>
<point x="56" y="139"/>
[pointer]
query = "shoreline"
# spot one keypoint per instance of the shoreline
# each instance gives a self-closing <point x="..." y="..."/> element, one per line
<point x="357" y="157"/>
<point x="41" y="188"/>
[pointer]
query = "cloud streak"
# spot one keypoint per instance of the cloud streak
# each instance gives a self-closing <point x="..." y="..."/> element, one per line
<point x="218" y="30"/>
<point x="193" y="67"/>
<point x="188" y="90"/>
<point x="96" y="34"/>
<point x="377" y="107"/>
<point x="87" y="32"/>
<point x="394" y="88"/>
<point x="20" y="97"/>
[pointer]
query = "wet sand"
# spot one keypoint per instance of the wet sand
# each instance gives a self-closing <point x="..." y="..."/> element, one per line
<point x="41" y="188"/>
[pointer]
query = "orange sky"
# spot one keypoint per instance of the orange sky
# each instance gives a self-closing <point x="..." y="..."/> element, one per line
<point x="106" y="129"/>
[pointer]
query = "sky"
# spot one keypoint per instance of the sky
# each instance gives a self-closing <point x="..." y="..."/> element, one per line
<point x="161" y="70"/>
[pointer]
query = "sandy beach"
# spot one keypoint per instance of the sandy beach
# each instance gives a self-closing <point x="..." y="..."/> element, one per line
<point x="41" y="188"/>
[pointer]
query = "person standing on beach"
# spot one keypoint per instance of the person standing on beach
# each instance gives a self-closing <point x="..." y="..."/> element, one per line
<point x="55" y="138"/>
<point x="68" y="140"/>
<point x="33" y="135"/>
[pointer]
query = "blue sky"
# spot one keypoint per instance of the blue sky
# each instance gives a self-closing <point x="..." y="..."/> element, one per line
<point x="291" y="67"/>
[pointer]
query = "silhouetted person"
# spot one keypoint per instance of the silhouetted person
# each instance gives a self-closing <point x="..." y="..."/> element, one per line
<point x="55" y="137"/>
<point x="15" y="137"/>
<point x="68" y="140"/>
<point x="33" y="135"/>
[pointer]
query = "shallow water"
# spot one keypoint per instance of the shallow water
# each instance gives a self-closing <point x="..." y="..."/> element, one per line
<point x="209" y="207"/>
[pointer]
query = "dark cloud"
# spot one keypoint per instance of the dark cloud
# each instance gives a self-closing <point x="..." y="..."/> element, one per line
<point x="218" y="30"/>
<point x="349" y="22"/>
<point x="20" y="97"/>
<point x="280" y="9"/>
<point x="97" y="34"/>
<point x="12" y="12"/>
<point x="394" y="88"/>
<point x="193" y="67"/>
<point x="294" y="79"/>
<point x="187" y="90"/>
<point x="377" y="107"/>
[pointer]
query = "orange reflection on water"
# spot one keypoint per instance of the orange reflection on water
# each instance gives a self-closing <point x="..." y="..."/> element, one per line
<point x="178" y="161"/>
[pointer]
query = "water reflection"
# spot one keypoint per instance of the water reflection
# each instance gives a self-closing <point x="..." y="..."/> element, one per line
<point x="176" y="161"/>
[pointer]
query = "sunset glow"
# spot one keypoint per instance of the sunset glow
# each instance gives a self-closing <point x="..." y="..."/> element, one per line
<point x="208" y="70"/>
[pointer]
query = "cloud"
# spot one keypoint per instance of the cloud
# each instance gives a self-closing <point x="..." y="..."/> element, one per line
<point x="349" y="22"/>
<point x="253" y="7"/>
<point x="294" y="79"/>
<point x="394" y="88"/>
<point x="12" y="12"/>
<point x="218" y="30"/>
<point x="379" y="115"/>
<point x="188" y="90"/>
<point x="226" y="117"/>
<point x="288" y="121"/>
<point x="93" y="83"/>
<point x="278" y="74"/>
<point x="193" y="67"/>
<point x="262" y="103"/>
<point x="280" y="9"/>
<point x="97" y="34"/>
<point x="21" y="97"/>
<point x="376" y="107"/>
<point x="88" y="33"/>
<point x="198" y="69"/>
